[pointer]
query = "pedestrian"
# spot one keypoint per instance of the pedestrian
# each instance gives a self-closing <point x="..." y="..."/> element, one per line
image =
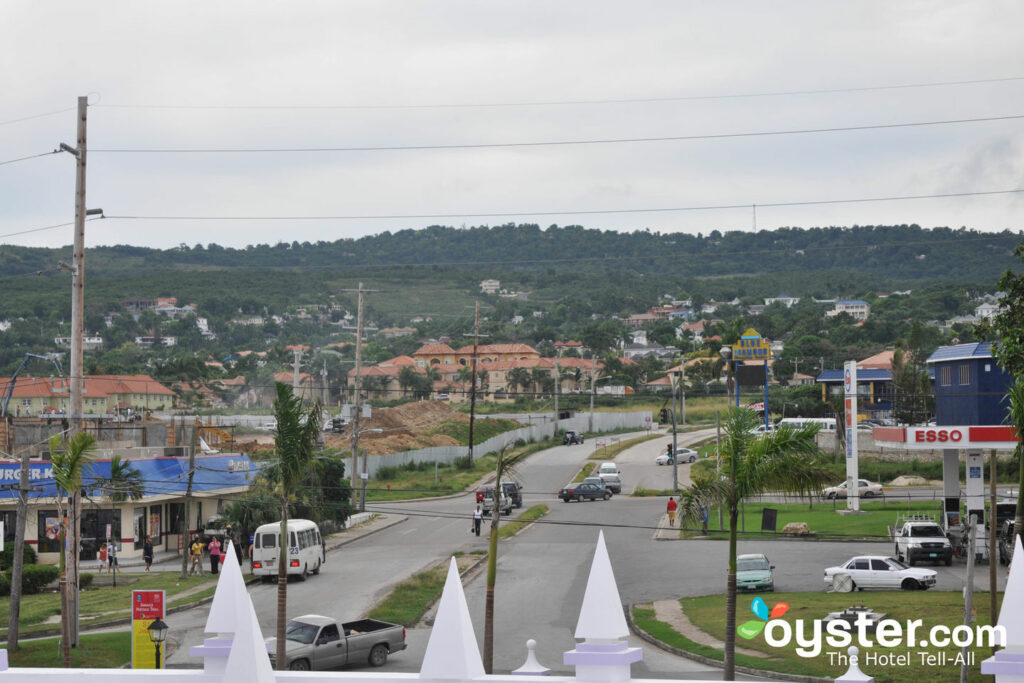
<point x="196" y="551"/>
<point x="704" y="519"/>
<point x="112" y="558"/>
<point x="214" y="547"/>
<point x="147" y="552"/>
<point x="251" y="570"/>
<point x="478" y="518"/>
<point x="671" y="507"/>
<point x="103" y="557"/>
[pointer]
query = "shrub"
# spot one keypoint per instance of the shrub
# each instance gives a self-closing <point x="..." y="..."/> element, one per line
<point x="85" y="580"/>
<point x="464" y="462"/>
<point x="36" y="577"/>
<point x="7" y="556"/>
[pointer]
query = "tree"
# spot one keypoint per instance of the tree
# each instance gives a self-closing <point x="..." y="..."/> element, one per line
<point x="69" y="460"/>
<point x="503" y="467"/>
<point x="294" y="445"/>
<point x="519" y="377"/>
<point x="125" y="482"/>
<point x="783" y="460"/>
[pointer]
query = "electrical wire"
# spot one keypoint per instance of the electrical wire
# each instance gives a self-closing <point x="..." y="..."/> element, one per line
<point x="34" y="156"/>
<point x="36" y="116"/>
<point x="546" y="103"/>
<point x="560" y="143"/>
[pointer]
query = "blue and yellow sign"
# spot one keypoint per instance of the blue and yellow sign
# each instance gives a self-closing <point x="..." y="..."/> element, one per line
<point x="751" y="346"/>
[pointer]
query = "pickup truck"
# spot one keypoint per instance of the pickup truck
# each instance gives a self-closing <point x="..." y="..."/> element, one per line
<point x="316" y="643"/>
<point x="917" y="541"/>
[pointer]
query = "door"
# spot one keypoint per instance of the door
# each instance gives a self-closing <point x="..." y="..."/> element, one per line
<point x="881" y="577"/>
<point x="860" y="570"/>
<point x="329" y="652"/>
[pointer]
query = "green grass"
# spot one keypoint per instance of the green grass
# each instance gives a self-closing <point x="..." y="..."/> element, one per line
<point x="933" y="608"/>
<point x="102" y="651"/>
<point x="408" y="601"/>
<point x="483" y="429"/>
<point x="586" y="471"/>
<point x="822" y="518"/>
<point x="527" y="516"/>
<point x="611" y="450"/>
<point x="101" y="600"/>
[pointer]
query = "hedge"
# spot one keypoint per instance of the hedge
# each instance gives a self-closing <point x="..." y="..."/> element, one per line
<point x="34" y="578"/>
<point x="7" y="556"/>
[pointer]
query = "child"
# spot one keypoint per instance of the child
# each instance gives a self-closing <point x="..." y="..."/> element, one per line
<point x="103" y="558"/>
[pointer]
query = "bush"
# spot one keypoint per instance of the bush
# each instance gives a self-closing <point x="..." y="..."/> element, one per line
<point x="34" y="579"/>
<point x="7" y="556"/>
<point x="85" y="580"/>
<point x="464" y="462"/>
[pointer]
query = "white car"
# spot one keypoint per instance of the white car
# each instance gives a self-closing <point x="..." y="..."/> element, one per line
<point x="608" y="468"/>
<point x="865" y="489"/>
<point x="876" y="571"/>
<point x="684" y="455"/>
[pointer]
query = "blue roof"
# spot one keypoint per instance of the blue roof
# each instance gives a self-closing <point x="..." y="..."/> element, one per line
<point x="873" y="375"/>
<point x="858" y="302"/>
<point x="961" y="352"/>
<point x="161" y="476"/>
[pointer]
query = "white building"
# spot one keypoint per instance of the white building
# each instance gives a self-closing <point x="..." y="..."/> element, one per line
<point x="490" y="286"/>
<point x="784" y="299"/>
<point x="855" y="308"/>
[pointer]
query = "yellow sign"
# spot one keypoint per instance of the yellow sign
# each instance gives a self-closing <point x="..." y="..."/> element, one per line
<point x="751" y="346"/>
<point x="147" y="607"/>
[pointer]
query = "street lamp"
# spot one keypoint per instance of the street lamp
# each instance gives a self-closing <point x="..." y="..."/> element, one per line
<point x="364" y="475"/>
<point x="786" y="403"/>
<point x="673" y="378"/>
<point x="157" y="634"/>
<point x="726" y="353"/>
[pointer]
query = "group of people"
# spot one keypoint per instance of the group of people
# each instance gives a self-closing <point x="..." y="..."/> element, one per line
<point x="672" y="506"/>
<point x="195" y="553"/>
<point x="108" y="558"/>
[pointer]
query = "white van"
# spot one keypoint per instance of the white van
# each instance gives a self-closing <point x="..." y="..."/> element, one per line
<point x="608" y="468"/>
<point x="827" y="424"/>
<point x="305" y="549"/>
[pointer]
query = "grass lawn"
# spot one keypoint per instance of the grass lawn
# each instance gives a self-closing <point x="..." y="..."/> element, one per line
<point x="102" y="651"/>
<point x="611" y="450"/>
<point x="932" y="608"/>
<point x="408" y="601"/>
<point x="103" y="601"/>
<point x="823" y="520"/>
<point x="509" y="529"/>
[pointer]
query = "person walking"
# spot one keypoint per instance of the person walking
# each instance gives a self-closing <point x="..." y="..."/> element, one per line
<point x="112" y="558"/>
<point x="704" y="519"/>
<point x="196" y="551"/>
<point x="214" y="555"/>
<point x="147" y="552"/>
<point x="478" y="518"/>
<point x="103" y="557"/>
<point x="671" y="508"/>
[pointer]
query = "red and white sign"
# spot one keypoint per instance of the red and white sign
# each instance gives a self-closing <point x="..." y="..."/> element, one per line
<point x="962" y="436"/>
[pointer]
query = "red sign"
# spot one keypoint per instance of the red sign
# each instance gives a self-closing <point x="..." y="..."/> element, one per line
<point x="147" y="604"/>
<point x="938" y="435"/>
<point x="960" y="436"/>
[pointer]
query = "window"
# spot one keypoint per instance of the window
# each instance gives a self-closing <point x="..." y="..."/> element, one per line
<point x="330" y="634"/>
<point x="860" y="563"/>
<point x="879" y="566"/>
<point x="176" y="518"/>
<point x="48" y="534"/>
<point x="266" y="541"/>
<point x="965" y="374"/>
<point x="946" y="376"/>
<point x="9" y="518"/>
<point x="94" y="530"/>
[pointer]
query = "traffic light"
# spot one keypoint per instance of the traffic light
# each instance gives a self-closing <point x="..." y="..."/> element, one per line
<point x="663" y="415"/>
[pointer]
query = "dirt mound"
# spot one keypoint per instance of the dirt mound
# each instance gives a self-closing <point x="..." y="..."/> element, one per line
<point x="406" y="427"/>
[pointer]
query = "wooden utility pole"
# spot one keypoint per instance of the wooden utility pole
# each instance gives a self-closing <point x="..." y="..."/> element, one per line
<point x="188" y="499"/>
<point x="993" y="614"/>
<point x="472" y="379"/>
<point x="19" y="549"/>
<point x="355" y="397"/>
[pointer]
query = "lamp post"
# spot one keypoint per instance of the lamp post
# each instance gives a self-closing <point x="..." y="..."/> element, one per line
<point x="673" y="378"/>
<point x="787" y="403"/>
<point x="364" y="475"/>
<point x="157" y="634"/>
<point x="726" y="353"/>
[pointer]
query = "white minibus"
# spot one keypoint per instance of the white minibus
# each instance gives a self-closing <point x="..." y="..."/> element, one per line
<point x="827" y="424"/>
<point x="305" y="549"/>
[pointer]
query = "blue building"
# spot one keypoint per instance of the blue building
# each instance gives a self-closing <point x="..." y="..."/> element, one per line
<point x="970" y="388"/>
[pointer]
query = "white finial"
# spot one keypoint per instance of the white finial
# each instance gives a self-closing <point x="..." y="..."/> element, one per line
<point x="248" y="660"/>
<point x="602" y="617"/>
<point x="531" y="667"/>
<point x="853" y="673"/>
<point x="452" y="651"/>
<point x="1010" y="616"/>
<point x="229" y="594"/>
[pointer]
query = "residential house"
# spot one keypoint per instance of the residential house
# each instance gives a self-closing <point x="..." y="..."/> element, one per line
<point x="490" y="286"/>
<point x="784" y="299"/>
<point x="90" y="342"/>
<point x="101" y="395"/>
<point x="856" y="308"/>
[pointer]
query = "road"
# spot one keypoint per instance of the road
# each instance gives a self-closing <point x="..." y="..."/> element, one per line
<point x="542" y="573"/>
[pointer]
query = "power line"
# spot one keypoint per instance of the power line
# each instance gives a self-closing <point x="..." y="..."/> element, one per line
<point x="44" y="228"/>
<point x="34" y="156"/>
<point x="557" y="143"/>
<point x="36" y="116"/>
<point x="546" y="103"/>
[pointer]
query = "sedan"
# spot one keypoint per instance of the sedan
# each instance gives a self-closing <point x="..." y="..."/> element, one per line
<point x="581" y="492"/>
<point x="875" y="571"/>
<point x="684" y="455"/>
<point x="865" y="489"/>
<point x="754" y="572"/>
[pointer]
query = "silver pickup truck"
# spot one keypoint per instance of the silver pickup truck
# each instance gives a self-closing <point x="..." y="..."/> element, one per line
<point x="316" y="643"/>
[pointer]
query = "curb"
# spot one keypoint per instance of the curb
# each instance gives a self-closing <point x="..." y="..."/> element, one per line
<point x="760" y="673"/>
<point x="386" y="525"/>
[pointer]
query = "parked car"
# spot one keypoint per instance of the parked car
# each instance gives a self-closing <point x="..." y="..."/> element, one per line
<point x="316" y="643"/>
<point x="876" y="571"/>
<point x="608" y="468"/>
<point x="444" y="397"/>
<point x="683" y="454"/>
<point x="594" y="480"/>
<point x="865" y="489"/>
<point x="754" y="572"/>
<point x="571" y="437"/>
<point x="612" y="482"/>
<point x="918" y="541"/>
<point x="584" y="491"/>
<point x="514" y="491"/>
<point x="1006" y="542"/>
<point x="485" y="496"/>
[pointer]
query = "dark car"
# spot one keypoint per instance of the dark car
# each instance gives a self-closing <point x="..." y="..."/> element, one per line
<point x="586" y="491"/>
<point x="571" y="438"/>
<point x="1006" y="542"/>
<point x="513" y="490"/>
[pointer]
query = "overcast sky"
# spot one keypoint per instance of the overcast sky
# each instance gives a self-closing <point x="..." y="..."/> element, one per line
<point x="334" y="74"/>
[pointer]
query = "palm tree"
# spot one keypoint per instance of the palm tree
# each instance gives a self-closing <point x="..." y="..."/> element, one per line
<point x="1016" y="416"/>
<point x="294" y="444"/>
<point x="69" y="465"/>
<point x="125" y="482"/>
<point x="504" y="467"/>
<point x="782" y="460"/>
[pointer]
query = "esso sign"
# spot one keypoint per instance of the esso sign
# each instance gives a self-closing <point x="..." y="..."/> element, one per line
<point x="938" y="435"/>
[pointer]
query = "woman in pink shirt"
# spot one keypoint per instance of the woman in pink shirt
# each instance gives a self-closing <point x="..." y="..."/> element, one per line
<point x="214" y="554"/>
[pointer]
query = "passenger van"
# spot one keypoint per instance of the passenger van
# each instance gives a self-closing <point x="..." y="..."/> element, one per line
<point x="305" y="549"/>
<point x="827" y="424"/>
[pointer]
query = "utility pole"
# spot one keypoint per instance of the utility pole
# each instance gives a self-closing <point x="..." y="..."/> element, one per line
<point x="593" y="372"/>
<point x="296" y="364"/>
<point x="188" y="499"/>
<point x="992" y="517"/>
<point x="558" y="380"/>
<point x="675" y="459"/>
<point x="323" y="385"/>
<point x="718" y="459"/>
<point x="969" y="591"/>
<point x="19" y="550"/>
<point x="355" y="396"/>
<point x="473" y="379"/>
